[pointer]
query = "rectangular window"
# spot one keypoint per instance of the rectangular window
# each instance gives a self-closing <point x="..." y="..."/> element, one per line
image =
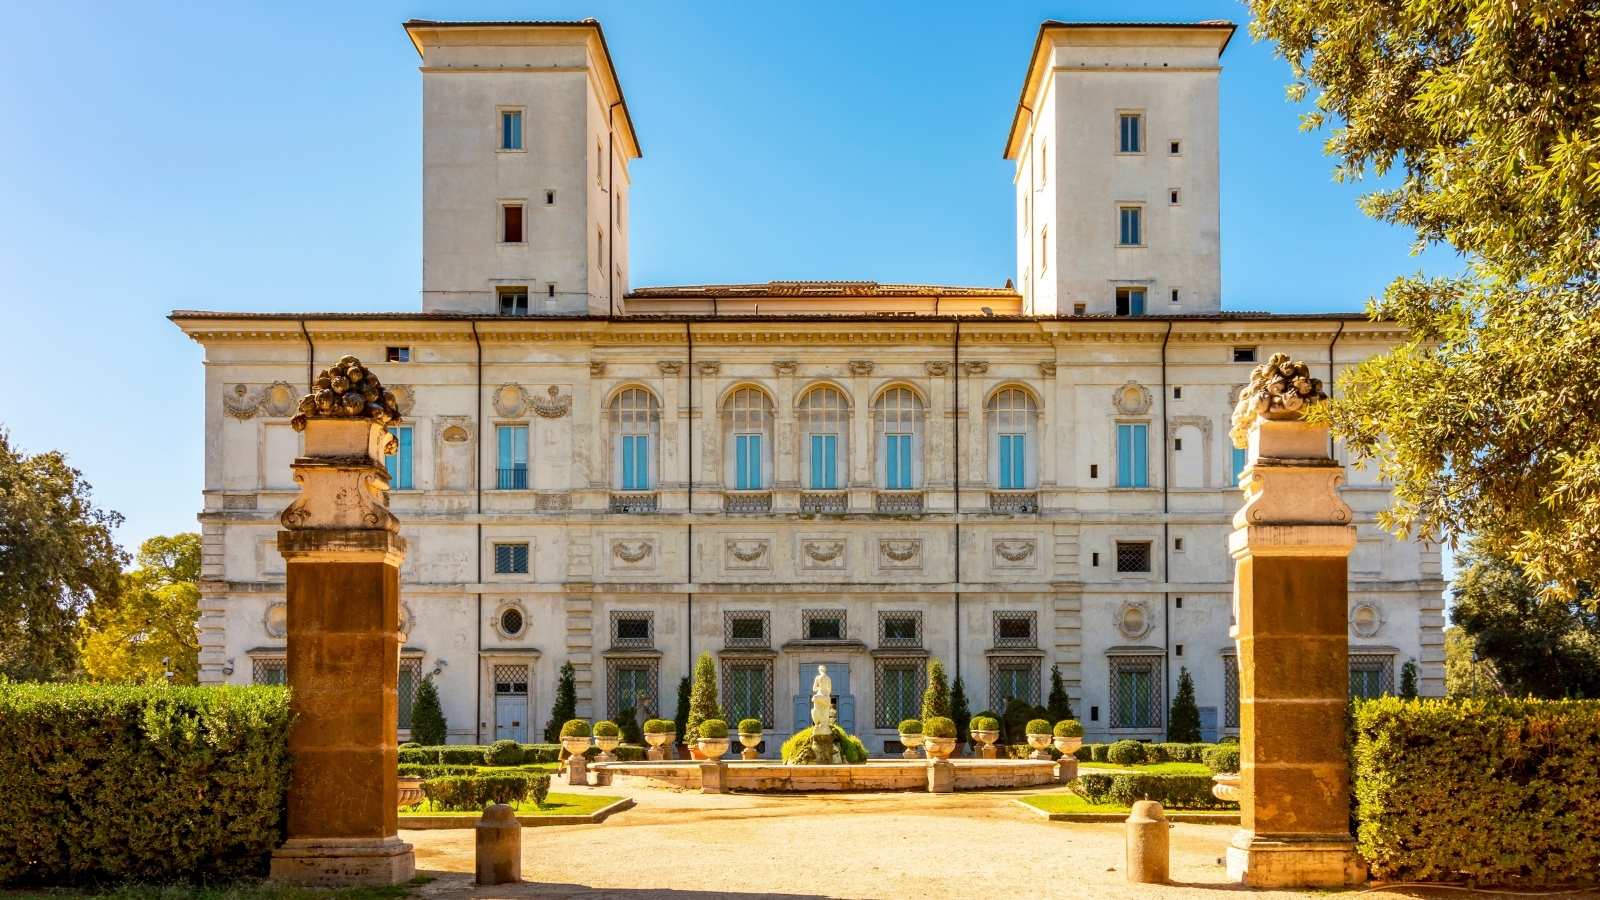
<point x="747" y="453"/>
<point x="399" y="462"/>
<point x="1013" y="474"/>
<point x="511" y="223"/>
<point x="822" y="624"/>
<point x="632" y="629"/>
<point x="1079" y="309"/>
<point x="269" y="671"/>
<point x="747" y="692"/>
<point x="900" y="629"/>
<point x="512" y="458"/>
<point x="549" y="198"/>
<point x="1013" y="676"/>
<point x="1172" y="197"/>
<point x="1240" y="456"/>
<point x="1133" y="556"/>
<point x="1174" y="295"/>
<point x="1244" y="354"/>
<point x="636" y="462"/>
<point x="513" y="300"/>
<point x="1175" y="148"/>
<point x="1130" y="219"/>
<point x="1177" y="393"/>
<point x="397" y="354"/>
<point x="550" y="290"/>
<point x="1130" y="301"/>
<point x="746" y="629"/>
<point x="897" y="462"/>
<point x="1044" y="249"/>
<point x="1130" y="133"/>
<point x="824" y="462"/>
<point x="1132" y="452"/>
<point x="1230" y="692"/>
<point x="511" y="559"/>
<point x="1135" y="694"/>
<point x="1371" y="675"/>
<point x="630" y="681"/>
<point x="406" y="689"/>
<point x="900" y="686"/>
<point x="1017" y="628"/>
<point x="511" y="129"/>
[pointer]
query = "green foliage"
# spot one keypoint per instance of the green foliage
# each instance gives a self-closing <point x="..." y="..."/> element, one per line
<point x="1538" y="644"/>
<point x="1408" y="679"/>
<point x="703" y="698"/>
<point x="660" y="726"/>
<point x="1222" y="758"/>
<point x="59" y="559"/>
<point x="566" y="706"/>
<point x="1125" y="753"/>
<point x="1183" y="722"/>
<point x="850" y="747"/>
<point x="474" y="792"/>
<point x="960" y="713"/>
<point x="1125" y="788"/>
<point x="629" y="723"/>
<point x="1482" y="114"/>
<point x="575" y="728"/>
<point x="150" y="634"/>
<point x="910" y="726"/>
<point x="714" y="729"/>
<point x="1490" y="791"/>
<point x="1175" y="752"/>
<point x="939" y="727"/>
<point x="1465" y="675"/>
<point x="1037" y="726"/>
<point x="1068" y="728"/>
<point x="936" y="696"/>
<point x="1058" y="705"/>
<point x="417" y="770"/>
<point x="681" y="714"/>
<point x="1014" y="721"/>
<point x="983" y="721"/>
<point x="504" y="753"/>
<point x="473" y="754"/>
<point x="1098" y="752"/>
<point x="428" y="726"/>
<point x="750" y="726"/>
<point x="140" y="783"/>
<point x="606" y="729"/>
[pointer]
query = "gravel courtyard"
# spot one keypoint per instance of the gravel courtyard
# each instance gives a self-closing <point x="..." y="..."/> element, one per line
<point x="683" y="844"/>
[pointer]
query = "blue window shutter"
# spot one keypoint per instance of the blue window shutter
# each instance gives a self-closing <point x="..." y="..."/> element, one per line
<point x="741" y="454"/>
<point x="905" y="460"/>
<point x="830" y="455"/>
<point x="402" y="469"/>
<point x="504" y="437"/>
<point x="1239" y="455"/>
<point x="891" y="461"/>
<point x="755" y="462"/>
<point x="1136" y="298"/>
<point x="628" y="476"/>
<point x="1141" y="477"/>
<point x="641" y="465"/>
<point x="1124" y="455"/>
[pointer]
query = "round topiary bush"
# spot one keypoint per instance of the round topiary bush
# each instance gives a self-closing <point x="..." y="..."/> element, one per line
<point x="504" y="753"/>
<point x="409" y="744"/>
<point x="939" y="727"/>
<point x="714" y="728"/>
<point x="607" y="730"/>
<point x="660" y="726"/>
<point x="751" y="725"/>
<point x="575" y="728"/>
<point x="1222" y="758"/>
<point x="1156" y="753"/>
<point x="1037" y="726"/>
<point x="984" y="723"/>
<point x="1125" y="753"/>
<point x="1069" y="728"/>
<point x="911" y="726"/>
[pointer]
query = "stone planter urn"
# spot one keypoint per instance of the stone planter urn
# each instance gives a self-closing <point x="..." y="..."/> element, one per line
<point x="750" y="741"/>
<point x="606" y="745"/>
<point x="575" y="746"/>
<point x="985" y="742"/>
<point x="1040" y="743"/>
<point x="1068" y="745"/>
<point x="1225" y="786"/>
<point x="712" y="748"/>
<point x="911" y="743"/>
<point x="409" y="792"/>
<point x="657" y="742"/>
<point x="938" y="747"/>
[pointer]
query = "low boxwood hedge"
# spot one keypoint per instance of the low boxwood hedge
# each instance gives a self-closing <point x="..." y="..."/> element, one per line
<point x="503" y="753"/>
<point x="473" y="754"/>
<point x="1222" y="758"/>
<point x="1125" y="753"/>
<point x="1172" y="791"/>
<point x="474" y="792"/>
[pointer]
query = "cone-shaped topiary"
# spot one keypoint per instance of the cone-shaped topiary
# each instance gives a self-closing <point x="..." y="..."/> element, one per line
<point x="1058" y="704"/>
<point x="960" y="713"/>
<point x="936" y="696"/>
<point x="1408" y="679"/>
<point x="1183" y="725"/>
<point x="428" y="726"/>
<point x="630" y="727"/>
<point x="566" y="707"/>
<point x="703" y="698"/>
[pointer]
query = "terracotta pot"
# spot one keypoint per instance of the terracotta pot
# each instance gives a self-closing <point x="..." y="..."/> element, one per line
<point x="938" y="747"/>
<point x="1225" y="787"/>
<point x="712" y="748"/>
<point x="1068" y="744"/>
<point x="409" y="792"/>
<point x="574" y="745"/>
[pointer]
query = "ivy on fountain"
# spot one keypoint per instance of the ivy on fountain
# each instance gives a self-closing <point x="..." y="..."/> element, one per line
<point x="800" y="749"/>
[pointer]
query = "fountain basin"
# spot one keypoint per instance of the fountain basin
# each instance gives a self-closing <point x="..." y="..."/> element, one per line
<point x="772" y="776"/>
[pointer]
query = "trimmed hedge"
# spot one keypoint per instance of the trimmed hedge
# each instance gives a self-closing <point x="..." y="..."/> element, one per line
<point x="135" y="783"/>
<point x="1494" y="791"/>
<point x="1126" y="753"/>
<point x="1152" y="753"/>
<point x="504" y="753"/>
<point x="478" y="755"/>
<point x="1173" y="791"/>
<point x="474" y="792"/>
<point x="1222" y="758"/>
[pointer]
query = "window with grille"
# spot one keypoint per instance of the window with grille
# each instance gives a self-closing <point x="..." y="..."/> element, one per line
<point x="898" y="420"/>
<point x="899" y="684"/>
<point x="746" y="629"/>
<point x="1013" y="677"/>
<point x="822" y="624"/>
<point x="632" y="629"/>
<point x="747" y="690"/>
<point x="1012" y="414"/>
<point x="1016" y="628"/>
<point x="902" y="628"/>
<point x="1133" y="556"/>
<point x="635" y="430"/>
<point x="511" y="622"/>
<point x="1230" y="691"/>
<point x="1371" y="675"/>
<point x="269" y="671"/>
<point x="511" y="559"/>
<point x="511" y="680"/>
<point x="631" y="683"/>
<point x="824" y="420"/>
<point x="406" y="689"/>
<point x="1136" y="695"/>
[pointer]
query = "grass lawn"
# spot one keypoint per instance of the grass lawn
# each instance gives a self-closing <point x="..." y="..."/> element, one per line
<point x="1166" y="768"/>
<point x="237" y="890"/>
<point x="554" y="805"/>
<point x="1067" y="802"/>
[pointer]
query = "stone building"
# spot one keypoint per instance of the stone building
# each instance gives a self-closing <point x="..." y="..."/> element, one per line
<point x="788" y="474"/>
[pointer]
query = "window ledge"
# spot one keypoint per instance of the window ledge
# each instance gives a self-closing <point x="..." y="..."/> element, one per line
<point x="1014" y="651"/>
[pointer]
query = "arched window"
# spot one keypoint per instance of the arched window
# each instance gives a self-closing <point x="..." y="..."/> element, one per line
<point x="747" y="418"/>
<point x="898" y="423"/>
<point x="824" y="435"/>
<point x="635" y="432"/>
<point x="1013" y="455"/>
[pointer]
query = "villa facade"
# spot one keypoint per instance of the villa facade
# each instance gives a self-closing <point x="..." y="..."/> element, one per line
<point x="859" y="475"/>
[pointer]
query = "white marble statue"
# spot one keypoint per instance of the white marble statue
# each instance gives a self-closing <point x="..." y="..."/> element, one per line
<point x="822" y="699"/>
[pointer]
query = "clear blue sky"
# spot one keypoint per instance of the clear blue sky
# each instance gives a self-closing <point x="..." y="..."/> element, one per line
<point x="266" y="156"/>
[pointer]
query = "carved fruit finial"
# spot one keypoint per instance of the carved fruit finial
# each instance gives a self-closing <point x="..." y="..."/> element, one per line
<point x="1279" y="389"/>
<point x="347" y="390"/>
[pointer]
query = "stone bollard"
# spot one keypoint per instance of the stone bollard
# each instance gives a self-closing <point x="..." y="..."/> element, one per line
<point x="1147" y="843"/>
<point x="499" y="838"/>
<point x="655" y="754"/>
<point x="941" y="776"/>
<point x="711" y="772"/>
<point x="577" y="770"/>
<point x="1066" y="768"/>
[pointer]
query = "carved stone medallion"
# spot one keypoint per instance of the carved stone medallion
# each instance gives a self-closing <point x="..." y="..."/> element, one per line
<point x="1132" y="399"/>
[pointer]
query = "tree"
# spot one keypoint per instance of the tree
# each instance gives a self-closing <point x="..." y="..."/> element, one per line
<point x="1058" y="703"/>
<point x="428" y="726"/>
<point x="702" y="697"/>
<point x="960" y="712"/>
<point x="1540" y="644"/>
<point x="1465" y="675"/>
<point x="1486" y="418"/>
<point x="149" y="634"/>
<point x="1183" y="722"/>
<point x="1408" y="680"/>
<point x="58" y="562"/>
<point x="680" y="715"/>
<point x="936" y="696"/>
<point x="566" y="705"/>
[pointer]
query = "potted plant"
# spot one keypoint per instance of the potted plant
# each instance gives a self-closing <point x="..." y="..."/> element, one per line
<point x="985" y="730"/>
<point x="938" y="737"/>
<point x="1038" y="732"/>
<point x="575" y="737"/>
<point x="607" y="735"/>
<point x="1068" y="735"/>
<point x="409" y="791"/>
<point x="911" y="737"/>
<point x="750" y="736"/>
<point x="658" y="733"/>
<point x="713" y="740"/>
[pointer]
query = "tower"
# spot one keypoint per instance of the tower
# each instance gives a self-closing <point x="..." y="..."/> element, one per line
<point x="526" y="141"/>
<point x="1115" y="143"/>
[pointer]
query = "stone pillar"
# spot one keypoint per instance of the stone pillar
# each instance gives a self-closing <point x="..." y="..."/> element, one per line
<point x="941" y="776"/>
<point x="1291" y="543"/>
<point x="712" y="776"/>
<point x="1066" y="769"/>
<point x="343" y="560"/>
<point x="498" y="840"/>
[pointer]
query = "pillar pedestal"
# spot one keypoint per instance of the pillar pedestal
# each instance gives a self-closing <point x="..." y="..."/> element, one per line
<point x="941" y="776"/>
<point x="1066" y="768"/>
<point x="711" y="780"/>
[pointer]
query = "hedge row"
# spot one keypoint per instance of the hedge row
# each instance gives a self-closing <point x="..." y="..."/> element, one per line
<point x="1501" y="792"/>
<point x="474" y="792"/>
<point x="1173" y="791"/>
<point x="140" y="783"/>
<point x="1151" y="753"/>
<point x="502" y="755"/>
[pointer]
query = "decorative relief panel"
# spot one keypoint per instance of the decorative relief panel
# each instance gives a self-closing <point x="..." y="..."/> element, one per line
<point x="900" y="553"/>
<point x="513" y="401"/>
<point x="632" y="553"/>
<point x="553" y="405"/>
<point x="510" y="400"/>
<point x="276" y="399"/>
<point x="747" y="553"/>
<point x="405" y="398"/>
<point x="1132" y="399"/>
<point x="823" y="553"/>
<point x="1133" y="619"/>
<point x="1366" y="620"/>
<point x="1015" y="553"/>
<point x="275" y="620"/>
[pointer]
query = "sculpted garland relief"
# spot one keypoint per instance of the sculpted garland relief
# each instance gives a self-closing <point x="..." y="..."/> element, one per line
<point x="275" y="399"/>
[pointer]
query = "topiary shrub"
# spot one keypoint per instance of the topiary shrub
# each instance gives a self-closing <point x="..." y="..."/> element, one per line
<point x="473" y="792"/>
<point x="1084" y="753"/>
<point x="750" y="726"/>
<point x="1222" y="758"/>
<point x="984" y="722"/>
<point x="445" y="755"/>
<point x="606" y="729"/>
<point x="503" y="753"/>
<point x="407" y="745"/>
<point x="1093" y="787"/>
<point x="566" y="706"/>
<point x="1172" y="791"/>
<point x="936" y="696"/>
<point x="415" y="770"/>
<point x="1155" y="753"/>
<point x="1125" y="753"/>
<point x="1014" y="721"/>
<point x="539" y="788"/>
<point x="959" y="713"/>
<point x="1097" y="752"/>
<point x="703" y="698"/>
<point x="911" y="726"/>
<point x="629" y="724"/>
<point x="540" y="753"/>
<point x="1058" y="704"/>
<point x="575" y="728"/>
<point x="939" y="727"/>
<point x="1069" y="728"/>
<point x="716" y="729"/>
<point x="427" y="716"/>
<point x="1183" y="720"/>
<point x="660" y="726"/>
<point x="1037" y="726"/>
